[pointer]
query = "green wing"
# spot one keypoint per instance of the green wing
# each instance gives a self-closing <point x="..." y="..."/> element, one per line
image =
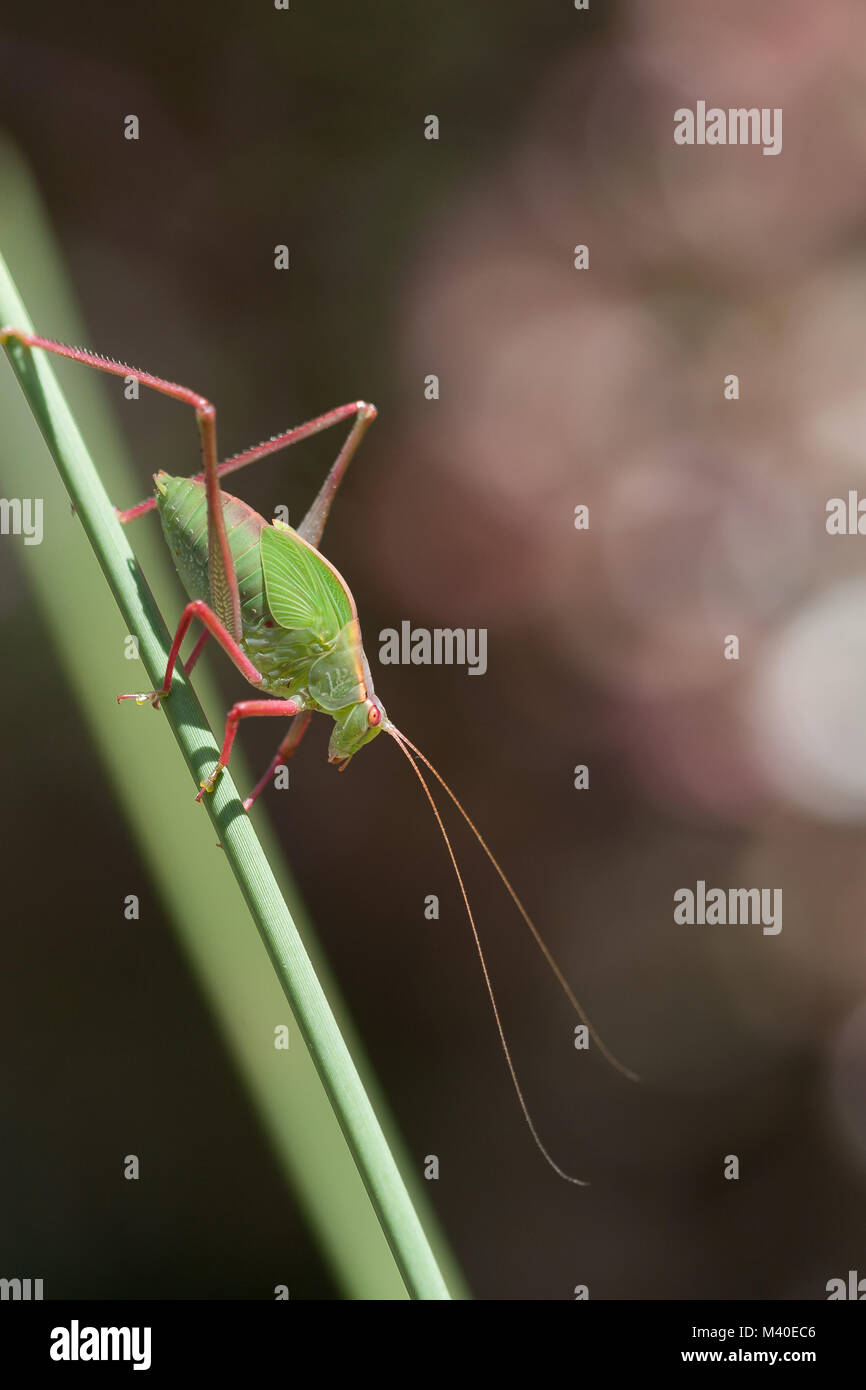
<point x="302" y="591"/>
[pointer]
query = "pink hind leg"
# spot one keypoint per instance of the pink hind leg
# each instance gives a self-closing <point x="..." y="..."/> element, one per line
<point x="313" y="524"/>
<point x="223" y="584"/>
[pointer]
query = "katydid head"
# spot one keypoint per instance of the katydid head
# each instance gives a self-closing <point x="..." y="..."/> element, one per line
<point x="355" y="726"/>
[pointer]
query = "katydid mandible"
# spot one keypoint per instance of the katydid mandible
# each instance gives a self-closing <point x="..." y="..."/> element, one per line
<point x="287" y="619"/>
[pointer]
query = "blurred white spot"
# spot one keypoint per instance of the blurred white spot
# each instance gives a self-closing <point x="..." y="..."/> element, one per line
<point x="809" y="702"/>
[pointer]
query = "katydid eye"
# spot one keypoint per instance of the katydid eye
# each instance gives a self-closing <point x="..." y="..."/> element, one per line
<point x="374" y="715"/>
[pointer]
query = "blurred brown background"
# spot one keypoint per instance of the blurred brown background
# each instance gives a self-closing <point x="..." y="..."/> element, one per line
<point x="558" y="387"/>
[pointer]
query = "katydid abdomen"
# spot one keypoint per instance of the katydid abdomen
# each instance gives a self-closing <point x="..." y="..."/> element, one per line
<point x="294" y="662"/>
<point x="182" y="506"/>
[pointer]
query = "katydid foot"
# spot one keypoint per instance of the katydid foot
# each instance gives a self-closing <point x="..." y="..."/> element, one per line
<point x="142" y="697"/>
<point x="210" y="782"/>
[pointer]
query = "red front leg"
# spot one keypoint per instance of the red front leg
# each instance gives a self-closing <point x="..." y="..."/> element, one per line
<point x="198" y="609"/>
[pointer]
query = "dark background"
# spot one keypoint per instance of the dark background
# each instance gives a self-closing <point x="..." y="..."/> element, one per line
<point x="411" y="257"/>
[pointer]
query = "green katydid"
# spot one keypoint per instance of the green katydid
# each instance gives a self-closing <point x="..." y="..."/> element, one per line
<point x="288" y="621"/>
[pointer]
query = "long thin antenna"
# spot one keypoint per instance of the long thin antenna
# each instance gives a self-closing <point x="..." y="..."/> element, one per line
<point x="399" y="740"/>
<point x="541" y="943"/>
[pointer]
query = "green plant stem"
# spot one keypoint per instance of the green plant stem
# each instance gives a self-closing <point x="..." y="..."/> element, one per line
<point x="237" y="837"/>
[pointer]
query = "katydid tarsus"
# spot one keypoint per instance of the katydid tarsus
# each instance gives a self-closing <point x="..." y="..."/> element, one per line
<point x="288" y="621"/>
